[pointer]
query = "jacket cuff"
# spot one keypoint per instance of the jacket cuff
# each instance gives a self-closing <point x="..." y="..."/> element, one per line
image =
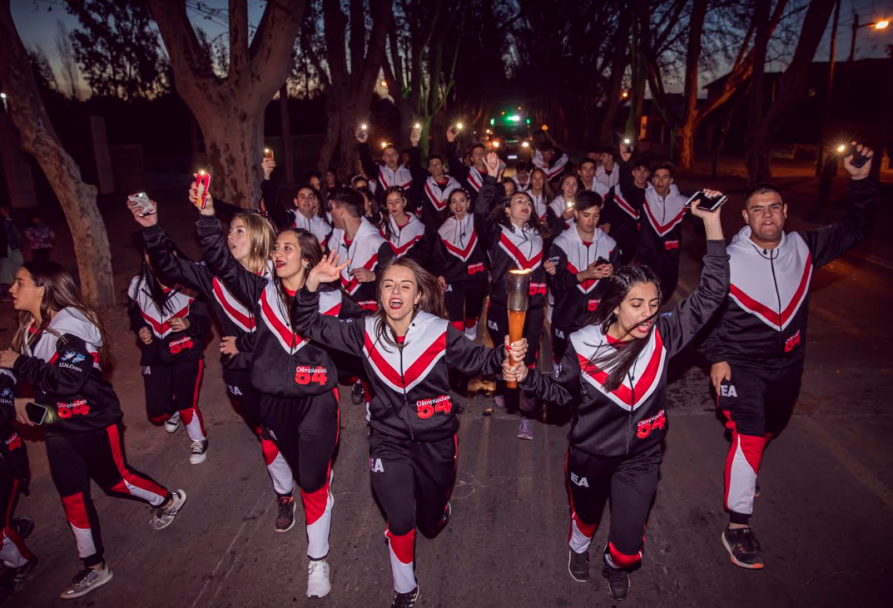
<point x="716" y="248"/>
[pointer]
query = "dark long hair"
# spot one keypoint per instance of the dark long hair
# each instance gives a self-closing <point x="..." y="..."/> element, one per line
<point x="311" y="251"/>
<point x="430" y="300"/>
<point x="618" y="361"/>
<point x="384" y="224"/>
<point x="151" y="283"/>
<point x="60" y="291"/>
<point x="499" y="216"/>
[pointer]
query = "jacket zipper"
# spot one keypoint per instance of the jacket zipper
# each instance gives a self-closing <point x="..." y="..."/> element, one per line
<point x="775" y="284"/>
<point x="632" y="388"/>
<point x="405" y="397"/>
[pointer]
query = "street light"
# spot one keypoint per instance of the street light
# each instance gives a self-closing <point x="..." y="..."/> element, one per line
<point x="3" y="98"/>
<point x="880" y="24"/>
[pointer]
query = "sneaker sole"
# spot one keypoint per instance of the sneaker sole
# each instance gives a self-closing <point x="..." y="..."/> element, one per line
<point x="740" y="564"/>
<point x="524" y="437"/>
<point x="294" y="505"/>
<point x="198" y="459"/>
<point x="629" y="587"/>
<point x="571" y="572"/>
<point x="90" y="590"/>
<point x="320" y="595"/>
<point x="172" y="430"/>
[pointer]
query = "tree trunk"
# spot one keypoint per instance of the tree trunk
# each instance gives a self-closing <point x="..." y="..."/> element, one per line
<point x="618" y="67"/>
<point x="349" y="117"/>
<point x="288" y="151"/>
<point x="791" y="86"/>
<point x="757" y="163"/>
<point x="78" y="200"/>
<point x="684" y="146"/>
<point x="230" y="111"/>
<point x="233" y="145"/>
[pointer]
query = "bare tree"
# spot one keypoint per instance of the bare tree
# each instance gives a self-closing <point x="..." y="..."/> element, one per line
<point x="704" y="22"/>
<point x="230" y="110"/>
<point x="39" y="139"/>
<point x="352" y="66"/>
<point x="618" y="68"/>
<point x="424" y="44"/>
<point x="67" y="61"/>
<point x="790" y="89"/>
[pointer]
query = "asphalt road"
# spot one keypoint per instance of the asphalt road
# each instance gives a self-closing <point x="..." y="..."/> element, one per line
<point x="824" y="517"/>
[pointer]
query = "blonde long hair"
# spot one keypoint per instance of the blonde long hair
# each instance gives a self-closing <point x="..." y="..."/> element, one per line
<point x="261" y="235"/>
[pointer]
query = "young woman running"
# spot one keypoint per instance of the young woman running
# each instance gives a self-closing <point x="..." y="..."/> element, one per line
<point x="461" y="265"/>
<point x="18" y="562"/>
<point x="250" y="240"/>
<point x="616" y="367"/>
<point x="296" y="378"/>
<point x="170" y="323"/>
<point x="408" y="347"/>
<point x="405" y="232"/>
<point x="513" y="236"/>
<point x="59" y="345"/>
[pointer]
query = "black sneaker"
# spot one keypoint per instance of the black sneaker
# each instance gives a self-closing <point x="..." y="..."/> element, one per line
<point x="357" y="393"/>
<point x="12" y="579"/>
<point x="22" y="525"/>
<point x="744" y="547"/>
<point x="285" y="519"/>
<point x="406" y="600"/>
<point x="618" y="582"/>
<point x="578" y="565"/>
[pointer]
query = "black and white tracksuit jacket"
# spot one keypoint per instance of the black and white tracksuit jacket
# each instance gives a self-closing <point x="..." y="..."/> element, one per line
<point x="763" y="322"/>
<point x="510" y="248"/>
<point x="470" y="178"/>
<point x="383" y="175"/>
<point x="368" y="250"/>
<point x="458" y="254"/>
<point x="234" y="317"/>
<point x="12" y="447"/>
<point x="412" y="392"/>
<point x="284" y="363"/>
<point x="429" y="191"/>
<point x="660" y="234"/>
<point x="168" y="347"/>
<point x="61" y="363"/>
<point x="575" y="301"/>
<point x="632" y="418"/>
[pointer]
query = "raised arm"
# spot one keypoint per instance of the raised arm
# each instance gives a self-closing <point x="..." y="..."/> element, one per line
<point x="343" y="335"/>
<point x="829" y="243"/>
<point x="681" y="325"/>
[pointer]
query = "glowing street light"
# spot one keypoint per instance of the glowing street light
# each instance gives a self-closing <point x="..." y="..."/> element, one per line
<point x="882" y="24"/>
<point x="3" y="98"/>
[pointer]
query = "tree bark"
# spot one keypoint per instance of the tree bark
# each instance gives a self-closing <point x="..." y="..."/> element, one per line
<point x="688" y="121"/>
<point x="791" y="86"/>
<point x="288" y="152"/>
<point x="39" y="139"/>
<point x="230" y="111"/>
<point x="618" y="67"/>
<point x="757" y="165"/>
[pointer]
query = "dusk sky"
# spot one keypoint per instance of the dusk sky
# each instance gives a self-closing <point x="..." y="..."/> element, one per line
<point x="37" y="22"/>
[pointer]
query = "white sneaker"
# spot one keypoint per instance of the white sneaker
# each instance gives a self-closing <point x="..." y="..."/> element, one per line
<point x="85" y="581"/>
<point x="199" y="451"/>
<point x="173" y="423"/>
<point x="318" y="584"/>
<point x="163" y="517"/>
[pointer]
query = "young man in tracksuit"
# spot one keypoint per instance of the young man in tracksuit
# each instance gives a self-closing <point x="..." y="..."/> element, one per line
<point x="433" y="187"/>
<point x="408" y="349"/>
<point x="660" y="235"/>
<point x="757" y="345"/>
<point x="621" y="216"/>
<point x="170" y="324"/>
<point x="579" y="259"/>
<point x="389" y="173"/>
<point x="616" y="370"/>
<point x="471" y="177"/>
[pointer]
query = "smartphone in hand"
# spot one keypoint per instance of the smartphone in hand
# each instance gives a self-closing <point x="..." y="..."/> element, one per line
<point x="141" y="201"/>
<point x="36" y="413"/>
<point x="706" y="203"/>
<point x="268" y="154"/>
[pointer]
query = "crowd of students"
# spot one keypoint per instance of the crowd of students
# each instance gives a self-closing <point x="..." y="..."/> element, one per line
<point x="382" y="285"/>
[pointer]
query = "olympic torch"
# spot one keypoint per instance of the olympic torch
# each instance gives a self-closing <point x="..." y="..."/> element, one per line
<point x="518" y="294"/>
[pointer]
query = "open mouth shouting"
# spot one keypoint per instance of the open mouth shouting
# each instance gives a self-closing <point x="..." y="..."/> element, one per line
<point x="395" y="303"/>
<point x="643" y="328"/>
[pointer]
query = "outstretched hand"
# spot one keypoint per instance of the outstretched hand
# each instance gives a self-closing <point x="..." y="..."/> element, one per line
<point x="864" y="171"/>
<point x="326" y="271"/>
<point x="491" y="161"/>
<point x="362" y="135"/>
